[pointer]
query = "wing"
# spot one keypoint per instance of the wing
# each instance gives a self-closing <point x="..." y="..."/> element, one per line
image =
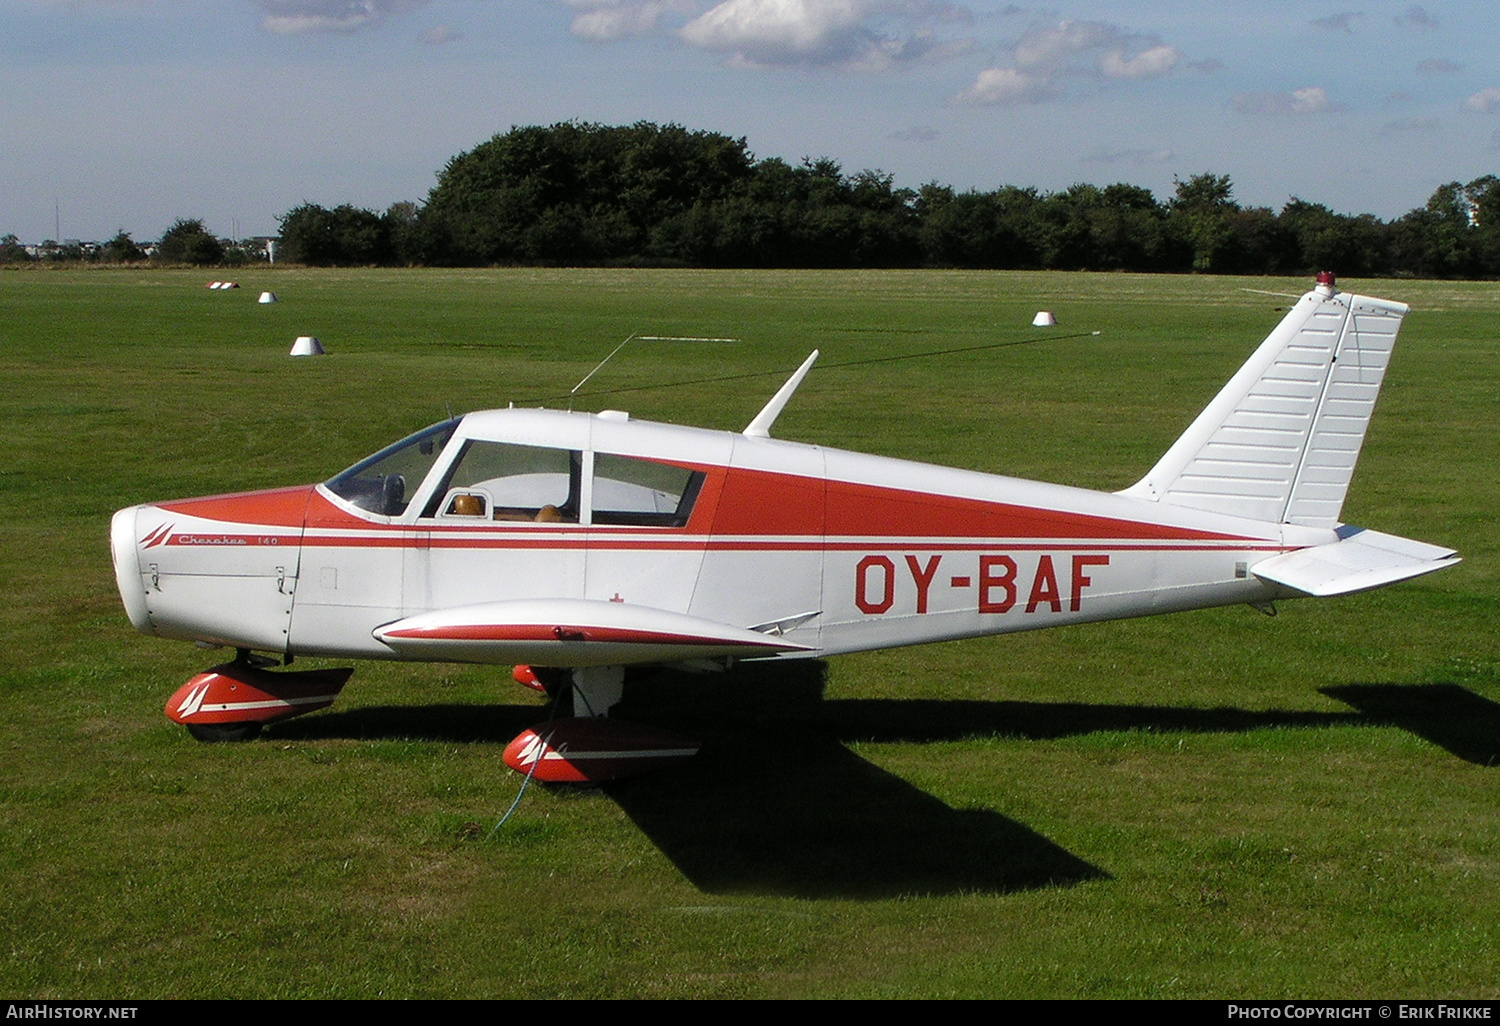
<point x="571" y="632"/>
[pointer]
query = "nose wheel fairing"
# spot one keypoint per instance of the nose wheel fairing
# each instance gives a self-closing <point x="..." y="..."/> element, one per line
<point x="238" y="695"/>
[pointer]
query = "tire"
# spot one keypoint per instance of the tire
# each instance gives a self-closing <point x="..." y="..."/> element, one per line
<point x="213" y="733"/>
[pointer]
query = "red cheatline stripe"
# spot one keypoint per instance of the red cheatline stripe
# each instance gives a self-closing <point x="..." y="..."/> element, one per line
<point x="539" y="632"/>
<point x="810" y="545"/>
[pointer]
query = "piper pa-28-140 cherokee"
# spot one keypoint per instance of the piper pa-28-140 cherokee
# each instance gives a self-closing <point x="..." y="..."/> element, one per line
<point x="576" y="544"/>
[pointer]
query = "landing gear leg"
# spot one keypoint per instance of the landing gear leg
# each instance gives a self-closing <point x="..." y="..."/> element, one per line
<point x="596" y="689"/>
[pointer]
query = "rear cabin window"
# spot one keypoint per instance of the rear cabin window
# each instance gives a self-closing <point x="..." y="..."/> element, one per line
<point x="643" y="493"/>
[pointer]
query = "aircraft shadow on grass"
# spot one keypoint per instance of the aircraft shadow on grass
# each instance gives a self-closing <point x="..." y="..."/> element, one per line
<point x="1451" y="717"/>
<point x="776" y="804"/>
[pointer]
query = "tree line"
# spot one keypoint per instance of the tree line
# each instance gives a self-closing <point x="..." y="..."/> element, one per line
<point x="187" y="241"/>
<point x="647" y="194"/>
<point x="576" y="193"/>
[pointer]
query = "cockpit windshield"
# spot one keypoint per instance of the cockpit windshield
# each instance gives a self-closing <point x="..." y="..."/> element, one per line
<point x="385" y="482"/>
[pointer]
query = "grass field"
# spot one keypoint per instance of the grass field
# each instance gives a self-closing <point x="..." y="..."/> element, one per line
<point x="1216" y="804"/>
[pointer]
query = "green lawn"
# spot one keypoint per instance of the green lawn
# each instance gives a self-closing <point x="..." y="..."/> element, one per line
<point x="1216" y="804"/>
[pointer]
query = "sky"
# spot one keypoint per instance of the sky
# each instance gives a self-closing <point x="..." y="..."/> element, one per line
<point x="130" y="114"/>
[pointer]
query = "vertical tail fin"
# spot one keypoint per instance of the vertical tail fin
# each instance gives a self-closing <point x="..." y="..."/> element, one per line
<point x="1280" y="440"/>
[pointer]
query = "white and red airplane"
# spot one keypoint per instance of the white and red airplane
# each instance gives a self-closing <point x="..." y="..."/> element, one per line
<point x="575" y="544"/>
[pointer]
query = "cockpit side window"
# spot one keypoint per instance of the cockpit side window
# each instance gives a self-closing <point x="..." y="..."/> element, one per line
<point x="509" y="482"/>
<point x="385" y="482"/>
<point x="643" y="493"/>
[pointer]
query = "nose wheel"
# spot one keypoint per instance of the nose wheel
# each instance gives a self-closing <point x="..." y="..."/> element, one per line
<point x="233" y="701"/>
<point x="215" y="733"/>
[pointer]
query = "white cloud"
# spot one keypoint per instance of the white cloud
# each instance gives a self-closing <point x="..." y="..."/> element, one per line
<point x="1308" y="100"/>
<point x="1152" y="63"/>
<point x="849" y="34"/>
<point x="1053" y="46"/>
<point x="1486" y="101"/>
<point x="787" y="28"/>
<point x="298" y="17"/>
<point x="607" y="20"/>
<point x="1046" y="56"/>
<point x="1006" y="85"/>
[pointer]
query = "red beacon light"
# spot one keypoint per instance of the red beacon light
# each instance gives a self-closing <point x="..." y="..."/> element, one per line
<point x="1326" y="280"/>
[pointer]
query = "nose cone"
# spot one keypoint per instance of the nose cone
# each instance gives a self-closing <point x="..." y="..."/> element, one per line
<point x="125" y="551"/>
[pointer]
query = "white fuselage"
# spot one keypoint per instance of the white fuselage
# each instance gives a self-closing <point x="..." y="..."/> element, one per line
<point x="831" y="551"/>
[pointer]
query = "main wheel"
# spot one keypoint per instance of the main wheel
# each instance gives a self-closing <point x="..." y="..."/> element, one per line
<point x="213" y="733"/>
